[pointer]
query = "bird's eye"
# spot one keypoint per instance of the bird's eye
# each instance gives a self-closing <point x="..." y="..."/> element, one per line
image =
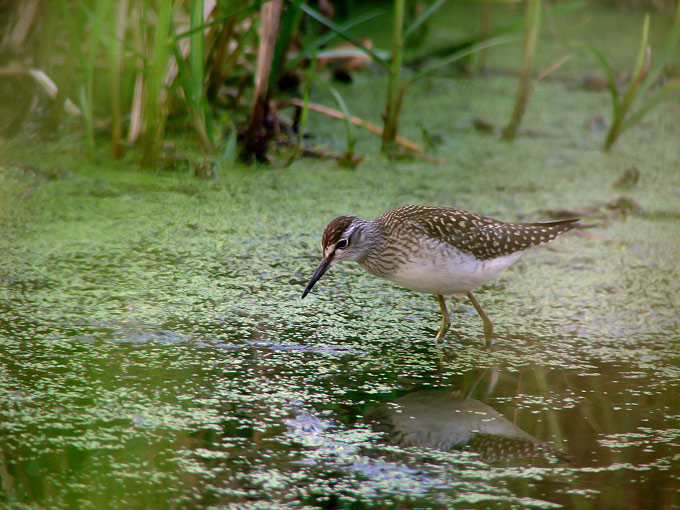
<point x="341" y="244"/>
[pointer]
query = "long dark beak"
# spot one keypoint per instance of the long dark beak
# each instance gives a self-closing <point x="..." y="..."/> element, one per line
<point x="323" y="267"/>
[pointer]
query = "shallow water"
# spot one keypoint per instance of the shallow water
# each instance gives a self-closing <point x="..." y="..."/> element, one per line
<point x="154" y="352"/>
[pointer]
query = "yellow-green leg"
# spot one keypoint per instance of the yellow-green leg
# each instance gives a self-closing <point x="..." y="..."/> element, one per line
<point x="446" y="320"/>
<point x="488" y="325"/>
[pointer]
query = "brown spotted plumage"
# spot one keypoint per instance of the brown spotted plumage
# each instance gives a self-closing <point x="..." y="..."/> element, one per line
<point x="483" y="237"/>
<point x="436" y="250"/>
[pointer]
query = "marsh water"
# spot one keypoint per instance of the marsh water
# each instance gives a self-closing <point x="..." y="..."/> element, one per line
<point x="155" y="353"/>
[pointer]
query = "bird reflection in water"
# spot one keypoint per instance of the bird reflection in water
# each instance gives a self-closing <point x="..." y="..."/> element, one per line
<point x="448" y="420"/>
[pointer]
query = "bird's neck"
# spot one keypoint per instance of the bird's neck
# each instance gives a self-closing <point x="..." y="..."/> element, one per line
<point x="372" y="239"/>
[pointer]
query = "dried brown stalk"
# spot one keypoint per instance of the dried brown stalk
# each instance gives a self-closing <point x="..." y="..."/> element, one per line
<point x="373" y="128"/>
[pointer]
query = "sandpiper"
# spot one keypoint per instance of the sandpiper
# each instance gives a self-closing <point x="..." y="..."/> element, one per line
<point x="434" y="250"/>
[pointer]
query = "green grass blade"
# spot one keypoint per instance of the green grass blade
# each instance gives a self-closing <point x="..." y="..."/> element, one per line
<point x="489" y="43"/>
<point x="394" y="84"/>
<point x="310" y="48"/>
<point x="107" y="35"/>
<point x="608" y="71"/>
<point x="651" y="103"/>
<point x="531" y="29"/>
<point x="196" y="53"/>
<point x="641" y="67"/>
<point x="660" y="63"/>
<point x="230" y="151"/>
<point x="423" y="18"/>
<point x="101" y="14"/>
<point x="220" y="20"/>
<point x="351" y="138"/>
<point x="304" y="115"/>
<point x="154" y="107"/>
<point x="87" y="60"/>
<point x="287" y="29"/>
<point x="117" y="26"/>
<point x="73" y="29"/>
<point x="317" y="16"/>
<point x="196" y="80"/>
<point x="640" y="62"/>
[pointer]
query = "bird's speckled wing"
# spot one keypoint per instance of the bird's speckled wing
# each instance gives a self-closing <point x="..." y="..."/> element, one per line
<point x="481" y="236"/>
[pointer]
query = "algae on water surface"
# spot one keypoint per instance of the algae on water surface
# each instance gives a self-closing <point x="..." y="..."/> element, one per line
<point x="155" y="352"/>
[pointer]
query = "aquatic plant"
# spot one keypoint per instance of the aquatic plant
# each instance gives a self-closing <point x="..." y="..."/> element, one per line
<point x="532" y="21"/>
<point x="643" y="78"/>
<point x="190" y="59"/>
<point x="278" y="28"/>
<point x="200" y="64"/>
<point x="396" y="88"/>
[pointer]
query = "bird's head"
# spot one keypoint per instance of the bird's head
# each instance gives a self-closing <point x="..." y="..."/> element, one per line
<point x="343" y="239"/>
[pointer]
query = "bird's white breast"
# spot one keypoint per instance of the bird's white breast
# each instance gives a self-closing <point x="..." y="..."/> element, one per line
<point x="442" y="269"/>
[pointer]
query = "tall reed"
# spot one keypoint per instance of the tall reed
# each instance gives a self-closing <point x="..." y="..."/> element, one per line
<point x="532" y="20"/>
<point x="395" y="91"/>
<point x="155" y="95"/>
<point x="190" y="60"/>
